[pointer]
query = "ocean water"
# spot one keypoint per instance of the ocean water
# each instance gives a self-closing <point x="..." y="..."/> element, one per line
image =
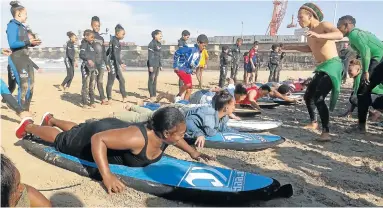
<point x="51" y="65"/>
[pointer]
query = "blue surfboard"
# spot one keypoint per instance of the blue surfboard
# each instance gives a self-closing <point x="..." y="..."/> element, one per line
<point x="243" y="141"/>
<point x="173" y="178"/>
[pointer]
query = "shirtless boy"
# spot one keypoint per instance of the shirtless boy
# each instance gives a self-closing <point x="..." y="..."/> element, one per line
<point x="321" y="38"/>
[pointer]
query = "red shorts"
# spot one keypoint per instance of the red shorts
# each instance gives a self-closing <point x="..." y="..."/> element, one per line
<point x="185" y="78"/>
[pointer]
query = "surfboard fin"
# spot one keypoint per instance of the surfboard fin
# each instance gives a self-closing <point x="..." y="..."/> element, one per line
<point x="285" y="191"/>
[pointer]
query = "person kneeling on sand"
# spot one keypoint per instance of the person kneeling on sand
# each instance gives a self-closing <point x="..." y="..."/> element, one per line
<point x="201" y="121"/>
<point x="16" y="194"/>
<point x="111" y="140"/>
<point x="355" y="72"/>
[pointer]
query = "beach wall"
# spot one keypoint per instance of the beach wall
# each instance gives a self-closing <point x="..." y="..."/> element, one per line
<point x="136" y="56"/>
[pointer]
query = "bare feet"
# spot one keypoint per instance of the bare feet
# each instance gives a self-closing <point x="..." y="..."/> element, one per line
<point x="104" y="102"/>
<point x="92" y="105"/>
<point x="128" y="106"/>
<point x="153" y="99"/>
<point x="25" y="114"/>
<point x="140" y="103"/>
<point x="61" y="88"/>
<point x="86" y="107"/>
<point x="312" y="126"/>
<point x="374" y="115"/>
<point x="124" y="100"/>
<point x="324" y="137"/>
<point x="358" y="128"/>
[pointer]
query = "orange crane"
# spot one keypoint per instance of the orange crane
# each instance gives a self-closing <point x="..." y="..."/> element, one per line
<point x="279" y="12"/>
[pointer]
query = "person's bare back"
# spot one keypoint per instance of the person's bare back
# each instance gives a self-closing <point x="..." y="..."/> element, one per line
<point x="322" y="49"/>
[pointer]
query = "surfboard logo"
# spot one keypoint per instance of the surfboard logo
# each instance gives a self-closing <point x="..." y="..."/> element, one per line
<point x="247" y="137"/>
<point x="206" y="177"/>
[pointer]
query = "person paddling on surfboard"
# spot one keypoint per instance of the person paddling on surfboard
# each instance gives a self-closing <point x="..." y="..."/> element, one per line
<point x="111" y="140"/>
<point x="321" y="38"/>
<point x="202" y="121"/>
<point x="250" y="95"/>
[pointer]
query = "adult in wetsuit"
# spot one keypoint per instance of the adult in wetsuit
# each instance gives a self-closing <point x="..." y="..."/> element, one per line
<point x="154" y="63"/>
<point x="182" y="43"/>
<point x="370" y="50"/>
<point x="70" y="60"/>
<point x="235" y="53"/>
<point x="114" y="141"/>
<point x="116" y="65"/>
<point x="101" y="59"/>
<point x="19" y="60"/>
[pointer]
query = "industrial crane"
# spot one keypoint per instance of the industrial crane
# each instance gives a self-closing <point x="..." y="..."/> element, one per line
<point x="279" y="11"/>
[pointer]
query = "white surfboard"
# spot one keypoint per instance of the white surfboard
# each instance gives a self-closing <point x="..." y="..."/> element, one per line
<point x="253" y="125"/>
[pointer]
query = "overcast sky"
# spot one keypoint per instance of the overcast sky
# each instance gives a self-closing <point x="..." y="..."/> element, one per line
<point x="51" y="19"/>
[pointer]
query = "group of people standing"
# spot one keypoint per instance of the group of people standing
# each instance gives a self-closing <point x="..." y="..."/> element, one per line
<point x="95" y="61"/>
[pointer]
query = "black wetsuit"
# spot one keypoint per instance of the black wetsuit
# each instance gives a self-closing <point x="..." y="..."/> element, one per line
<point x="115" y="68"/>
<point x="273" y="66"/>
<point x="181" y="43"/>
<point x="315" y="95"/>
<point x="77" y="142"/>
<point x="12" y="79"/>
<point x="101" y="62"/>
<point x="235" y="53"/>
<point x="69" y="63"/>
<point x="223" y="63"/>
<point x="20" y="63"/>
<point x="88" y="73"/>
<point x="154" y="61"/>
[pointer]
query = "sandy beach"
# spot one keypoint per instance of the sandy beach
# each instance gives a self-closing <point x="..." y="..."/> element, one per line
<point x="337" y="173"/>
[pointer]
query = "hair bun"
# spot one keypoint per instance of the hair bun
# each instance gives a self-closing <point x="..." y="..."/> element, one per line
<point x="14" y="3"/>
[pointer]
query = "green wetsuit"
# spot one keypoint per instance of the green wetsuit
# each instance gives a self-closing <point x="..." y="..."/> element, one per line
<point x="367" y="45"/>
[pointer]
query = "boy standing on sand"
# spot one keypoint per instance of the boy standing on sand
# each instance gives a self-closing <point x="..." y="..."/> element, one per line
<point x="321" y="38"/>
<point x="186" y="60"/>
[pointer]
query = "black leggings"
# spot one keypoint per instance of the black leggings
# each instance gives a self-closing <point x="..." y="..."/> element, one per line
<point x="364" y="91"/>
<point x="152" y="82"/>
<point x="315" y="96"/>
<point x="115" y="72"/>
<point x="69" y="73"/>
<point x="11" y="80"/>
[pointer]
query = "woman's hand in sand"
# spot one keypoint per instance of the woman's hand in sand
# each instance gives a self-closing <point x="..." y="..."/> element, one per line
<point x="113" y="184"/>
<point x="202" y="157"/>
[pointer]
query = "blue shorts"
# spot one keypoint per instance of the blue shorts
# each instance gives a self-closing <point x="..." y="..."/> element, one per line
<point x="248" y="68"/>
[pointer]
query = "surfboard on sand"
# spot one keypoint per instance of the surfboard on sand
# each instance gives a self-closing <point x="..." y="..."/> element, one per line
<point x="249" y="126"/>
<point x="174" y="179"/>
<point x="263" y="104"/>
<point x="242" y="141"/>
<point x="246" y="112"/>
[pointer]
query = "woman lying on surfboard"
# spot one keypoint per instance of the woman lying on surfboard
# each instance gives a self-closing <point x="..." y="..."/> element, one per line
<point x="203" y="121"/>
<point x="111" y="140"/>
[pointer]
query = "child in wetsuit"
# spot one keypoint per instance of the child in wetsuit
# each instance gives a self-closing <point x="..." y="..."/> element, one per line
<point x="116" y="64"/>
<point x="224" y="61"/>
<point x="88" y="70"/>
<point x="273" y="63"/>
<point x="70" y="61"/>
